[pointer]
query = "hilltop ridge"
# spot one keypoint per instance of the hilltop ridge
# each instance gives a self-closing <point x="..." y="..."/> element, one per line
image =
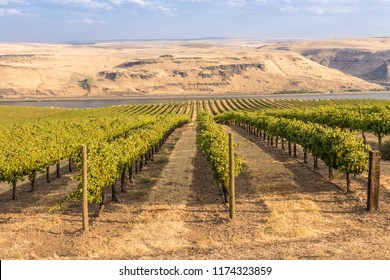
<point x="166" y="67"/>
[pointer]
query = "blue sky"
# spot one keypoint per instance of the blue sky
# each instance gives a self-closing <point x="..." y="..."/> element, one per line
<point x="74" y="20"/>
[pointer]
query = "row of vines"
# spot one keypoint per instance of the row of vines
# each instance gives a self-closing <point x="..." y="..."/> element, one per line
<point x="33" y="139"/>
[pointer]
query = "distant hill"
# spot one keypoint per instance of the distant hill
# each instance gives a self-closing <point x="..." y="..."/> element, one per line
<point x="364" y="58"/>
<point x="159" y="67"/>
<point x="371" y="66"/>
<point x="92" y="42"/>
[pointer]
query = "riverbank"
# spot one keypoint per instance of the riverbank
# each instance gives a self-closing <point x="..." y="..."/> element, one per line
<point x="101" y="101"/>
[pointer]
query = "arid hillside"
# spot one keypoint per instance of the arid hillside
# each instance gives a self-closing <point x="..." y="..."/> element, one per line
<point x="368" y="59"/>
<point x="142" y="68"/>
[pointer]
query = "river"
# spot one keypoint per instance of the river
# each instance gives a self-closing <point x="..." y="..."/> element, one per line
<point x="94" y="103"/>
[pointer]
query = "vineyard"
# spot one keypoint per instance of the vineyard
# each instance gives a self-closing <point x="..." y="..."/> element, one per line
<point x="158" y="177"/>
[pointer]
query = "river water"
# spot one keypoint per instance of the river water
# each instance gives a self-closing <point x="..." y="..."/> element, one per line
<point x="94" y="103"/>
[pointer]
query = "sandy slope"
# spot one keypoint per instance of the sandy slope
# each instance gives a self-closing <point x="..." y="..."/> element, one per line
<point x="366" y="58"/>
<point x="367" y="44"/>
<point x="178" y="67"/>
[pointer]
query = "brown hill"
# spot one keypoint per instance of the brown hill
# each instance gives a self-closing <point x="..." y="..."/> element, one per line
<point x="364" y="58"/>
<point x="380" y="74"/>
<point x="44" y="70"/>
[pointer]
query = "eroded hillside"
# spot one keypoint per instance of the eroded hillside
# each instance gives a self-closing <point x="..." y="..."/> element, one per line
<point x="368" y="59"/>
<point x="125" y="69"/>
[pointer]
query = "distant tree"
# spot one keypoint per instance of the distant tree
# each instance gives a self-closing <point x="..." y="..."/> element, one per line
<point x="87" y="84"/>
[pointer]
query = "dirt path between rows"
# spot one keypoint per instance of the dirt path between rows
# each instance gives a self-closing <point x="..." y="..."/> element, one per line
<point x="173" y="210"/>
<point x="145" y="221"/>
<point x="305" y="216"/>
<point x="160" y="226"/>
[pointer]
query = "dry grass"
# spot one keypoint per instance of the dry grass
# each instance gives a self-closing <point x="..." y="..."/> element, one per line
<point x="52" y="70"/>
<point x="367" y="44"/>
<point x="292" y="219"/>
<point x="285" y="210"/>
<point x="147" y="177"/>
<point x="162" y="159"/>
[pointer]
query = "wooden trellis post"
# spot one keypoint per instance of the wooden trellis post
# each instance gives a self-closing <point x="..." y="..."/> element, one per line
<point x="84" y="179"/>
<point x="373" y="181"/>
<point x="232" y="197"/>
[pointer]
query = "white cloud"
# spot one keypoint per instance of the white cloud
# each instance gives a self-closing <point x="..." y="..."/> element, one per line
<point x="86" y="21"/>
<point x="175" y="7"/>
<point x="318" y="11"/>
<point x="263" y="2"/>
<point x="289" y="9"/>
<point x="154" y="6"/>
<point x="319" y="7"/>
<point x="10" y="12"/>
<point x="236" y="3"/>
<point x="89" y="4"/>
<point x="140" y="2"/>
<point x="12" y="2"/>
<point x="117" y="2"/>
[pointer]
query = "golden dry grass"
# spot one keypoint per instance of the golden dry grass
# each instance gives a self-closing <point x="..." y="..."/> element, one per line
<point x="285" y="210"/>
<point x="292" y="219"/>
<point x="50" y="70"/>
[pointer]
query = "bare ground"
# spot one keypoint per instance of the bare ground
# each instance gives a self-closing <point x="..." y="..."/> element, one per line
<point x="173" y="210"/>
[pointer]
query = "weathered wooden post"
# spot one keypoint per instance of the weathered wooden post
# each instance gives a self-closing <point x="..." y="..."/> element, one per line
<point x="373" y="181"/>
<point x="84" y="179"/>
<point x="232" y="197"/>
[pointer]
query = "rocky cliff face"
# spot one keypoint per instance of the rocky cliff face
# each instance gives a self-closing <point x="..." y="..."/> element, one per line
<point x="167" y="72"/>
<point x="380" y="74"/>
<point x="151" y="68"/>
<point x="370" y="66"/>
<point x="258" y="74"/>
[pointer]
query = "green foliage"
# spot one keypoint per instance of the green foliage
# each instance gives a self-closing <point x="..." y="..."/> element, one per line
<point x="29" y="147"/>
<point x="296" y="91"/>
<point x="364" y="118"/>
<point x="213" y="142"/>
<point x="106" y="160"/>
<point x="385" y="151"/>
<point x="353" y="90"/>
<point x="87" y="84"/>
<point x="22" y="113"/>
<point x="338" y="149"/>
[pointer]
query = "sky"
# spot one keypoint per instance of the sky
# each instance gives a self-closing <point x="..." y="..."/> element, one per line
<point x="85" y="20"/>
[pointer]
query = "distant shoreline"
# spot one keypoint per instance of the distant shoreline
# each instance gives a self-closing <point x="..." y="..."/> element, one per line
<point x="184" y="96"/>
